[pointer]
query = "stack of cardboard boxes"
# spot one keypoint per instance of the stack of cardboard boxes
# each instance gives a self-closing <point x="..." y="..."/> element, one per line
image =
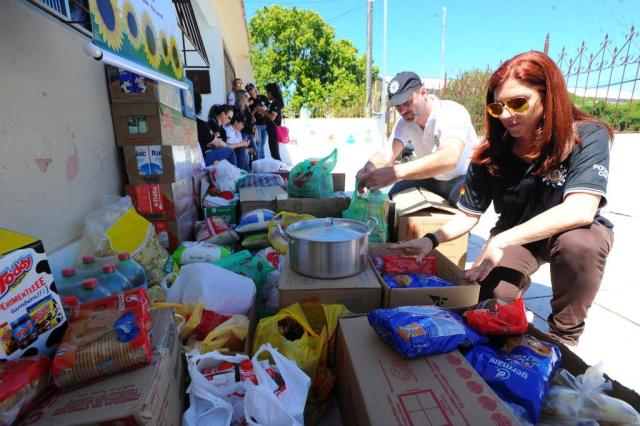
<point x="155" y="126"/>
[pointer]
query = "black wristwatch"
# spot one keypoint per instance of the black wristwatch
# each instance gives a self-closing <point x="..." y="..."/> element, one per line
<point x="433" y="238"/>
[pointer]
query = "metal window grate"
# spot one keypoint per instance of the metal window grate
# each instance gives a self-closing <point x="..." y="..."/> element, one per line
<point x="189" y="25"/>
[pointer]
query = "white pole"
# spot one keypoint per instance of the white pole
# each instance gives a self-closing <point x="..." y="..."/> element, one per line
<point x="444" y="32"/>
<point x="383" y="94"/>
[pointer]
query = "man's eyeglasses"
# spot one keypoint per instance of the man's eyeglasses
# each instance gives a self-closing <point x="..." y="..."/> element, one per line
<point x="517" y="104"/>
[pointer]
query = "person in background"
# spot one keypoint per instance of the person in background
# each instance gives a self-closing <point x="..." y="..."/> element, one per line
<point x="236" y="142"/>
<point x="236" y="85"/>
<point x="213" y="148"/>
<point x="259" y="105"/>
<point x="443" y="137"/>
<point x="544" y="164"/>
<point x="274" y="117"/>
<point x="248" y="132"/>
<point x="219" y="117"/>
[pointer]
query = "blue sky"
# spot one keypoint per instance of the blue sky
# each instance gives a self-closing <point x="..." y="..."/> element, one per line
<point x="479" y="33"/>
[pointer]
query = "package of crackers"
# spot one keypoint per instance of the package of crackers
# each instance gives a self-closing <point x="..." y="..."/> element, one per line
<point x="21" y="383"/>
<point x="105" y="337"/>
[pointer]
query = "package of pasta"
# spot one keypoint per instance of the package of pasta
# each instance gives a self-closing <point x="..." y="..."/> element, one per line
<point x="107" y="337"/>
<point x="21" y="383"/>
<point x="402" y="264"/>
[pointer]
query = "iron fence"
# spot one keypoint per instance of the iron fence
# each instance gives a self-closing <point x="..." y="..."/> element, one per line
<point x="604" y="82"/>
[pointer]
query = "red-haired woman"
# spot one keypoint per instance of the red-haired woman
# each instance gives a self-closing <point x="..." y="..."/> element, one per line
<point x="544" y="165"/>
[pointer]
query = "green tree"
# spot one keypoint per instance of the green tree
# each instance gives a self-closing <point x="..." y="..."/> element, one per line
<point x="469" y="89"/>
<point x="297" y="49"/>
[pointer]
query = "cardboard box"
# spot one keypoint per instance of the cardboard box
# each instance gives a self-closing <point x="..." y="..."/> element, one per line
<point x="339" y="179"/>
<point x="318" y="207"/>
<point x="359" y="293"/>
<point x="418" y="211"/>
<point x="376" y="386"/>
<point x="126" y="87"/>
<point x="464" y="294"/>
<point x="260" y="198"/>
<point x="172" y="232"/>
<point x="228" y="213"/>
<point x="151" y="395"/>
<point x="160" y="164"/>
<point x="32" y="320"/>
<point x="162" y="200"/>
<point x="148" y="123"/>
<point x="190" y="133"/>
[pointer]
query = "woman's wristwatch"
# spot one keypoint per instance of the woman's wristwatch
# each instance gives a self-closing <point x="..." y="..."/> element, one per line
<point x="434" y="240"/>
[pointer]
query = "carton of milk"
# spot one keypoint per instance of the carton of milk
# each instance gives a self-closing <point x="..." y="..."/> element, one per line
<point x="149" y="160"/>
<point x="31" y="315"/>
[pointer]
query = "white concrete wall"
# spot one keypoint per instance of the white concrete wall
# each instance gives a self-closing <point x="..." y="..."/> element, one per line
<point x="57" y="152"/>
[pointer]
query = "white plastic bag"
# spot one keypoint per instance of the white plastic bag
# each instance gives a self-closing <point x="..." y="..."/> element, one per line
<point x="218" y="289"/>
<point x="579" y="400"/>
<point x="262" y="407"/>
<point x="268" y="165"/>
<point x="225" y="175"/>
<point x="213" y="405"/>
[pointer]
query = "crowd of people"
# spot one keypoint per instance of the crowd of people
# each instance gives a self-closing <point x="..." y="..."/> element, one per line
<point x="239" y="130"/>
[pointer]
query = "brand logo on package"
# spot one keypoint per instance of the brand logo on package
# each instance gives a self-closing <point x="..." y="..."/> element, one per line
<point x="14" y="274"/>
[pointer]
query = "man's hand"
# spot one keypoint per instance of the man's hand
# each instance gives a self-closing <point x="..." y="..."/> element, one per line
<point x="379" y="178"/>
<point x="368" y="168"/>
<point x="419" y="247"/>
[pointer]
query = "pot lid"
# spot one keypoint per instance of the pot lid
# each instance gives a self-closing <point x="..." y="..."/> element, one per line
<point x="328" y="230"/>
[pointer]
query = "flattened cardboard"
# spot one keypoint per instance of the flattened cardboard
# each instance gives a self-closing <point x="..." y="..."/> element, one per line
<point x="463" y="294"/>
<point x="376" y="386"/>
<point x="260" y="198"/>
<point x="162" y="125"/>
<point x="318" y="207"/>
<point x="360" y="293"/>
<point x="162" y="201"/>
<point x="417" y="212"/>
<point x="151" y="395"/>
<point x="160" y="164"/>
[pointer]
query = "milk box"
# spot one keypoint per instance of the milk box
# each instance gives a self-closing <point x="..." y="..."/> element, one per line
<point x="149" y="160"/>
<point x="31" y="314"/>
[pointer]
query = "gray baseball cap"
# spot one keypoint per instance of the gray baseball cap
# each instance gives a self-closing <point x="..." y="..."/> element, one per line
<point x="402" y="86"/>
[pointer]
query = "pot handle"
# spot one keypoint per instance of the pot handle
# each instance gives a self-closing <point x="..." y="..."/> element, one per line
<point x="375" y="221"/>
<point x="283" y="233"/>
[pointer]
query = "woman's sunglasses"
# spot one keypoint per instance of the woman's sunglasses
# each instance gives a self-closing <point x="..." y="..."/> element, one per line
<point x="517" y="104"/>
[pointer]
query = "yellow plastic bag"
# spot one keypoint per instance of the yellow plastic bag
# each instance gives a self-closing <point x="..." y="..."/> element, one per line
<point x="228" y="336"/>
<point x="284" y="219"/>
<point x="305" y="333"/>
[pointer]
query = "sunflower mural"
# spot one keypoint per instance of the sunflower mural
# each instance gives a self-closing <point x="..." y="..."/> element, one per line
<point x="164" y="48"/>
<point x="150" y="41"/>
<point x="131" y="25"/>
<point x="106" y="16"/>
<point x="176" y="63"/>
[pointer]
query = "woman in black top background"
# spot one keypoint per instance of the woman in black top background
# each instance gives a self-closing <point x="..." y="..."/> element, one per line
<point x="274" y="117"/>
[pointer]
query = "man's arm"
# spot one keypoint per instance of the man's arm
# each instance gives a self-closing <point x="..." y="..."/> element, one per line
<point x="445" y="158"/>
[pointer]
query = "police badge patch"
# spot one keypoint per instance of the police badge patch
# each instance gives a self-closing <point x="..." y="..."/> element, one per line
<point x="556" y="177"/>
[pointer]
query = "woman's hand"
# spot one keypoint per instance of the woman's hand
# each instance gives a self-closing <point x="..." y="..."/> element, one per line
<point x="419" y="247"/>
<point x="488" y="259"/>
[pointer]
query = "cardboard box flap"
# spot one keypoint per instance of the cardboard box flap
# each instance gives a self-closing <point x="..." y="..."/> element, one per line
<point x="417" y="199"/>
<point x="267" y="193"/>
<point x="291" y="280"/>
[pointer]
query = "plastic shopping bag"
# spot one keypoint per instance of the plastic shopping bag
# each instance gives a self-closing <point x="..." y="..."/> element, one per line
<point x="215" y="397"/>
<point x="283" y="219"/>
<point x="305" y="334"/>
<point x="276" y="400"/>
<point x="497" y="318"/>
<point x="312" y="177"/>
<point x="118" y="228"/>
<point x="582" y="399"/>
<point x="370" y="206"/>
<point x="225" y="176"/>
<point x="218" y="289"/>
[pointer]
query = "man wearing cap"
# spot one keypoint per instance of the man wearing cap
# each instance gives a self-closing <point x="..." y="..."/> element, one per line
<point x="441" y="133"/>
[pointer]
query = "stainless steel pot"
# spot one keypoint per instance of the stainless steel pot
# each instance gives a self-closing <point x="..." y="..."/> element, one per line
<point x="328" y="248"/>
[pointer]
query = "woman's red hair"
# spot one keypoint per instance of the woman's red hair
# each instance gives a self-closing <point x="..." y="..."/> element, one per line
<point x="556" y="134"/>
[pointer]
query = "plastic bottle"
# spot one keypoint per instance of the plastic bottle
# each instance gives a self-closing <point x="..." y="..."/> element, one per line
<point x="90" y="291"/>
<point x="70" y="284"/>
<point x="89" y="268"/>
<point x="112" y="281"/>
<point x="132" y="271"/>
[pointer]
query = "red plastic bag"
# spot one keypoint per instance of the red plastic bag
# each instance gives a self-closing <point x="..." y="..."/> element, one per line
<point x="498" y="319"/>
<point x="401" y="264"/>
<point x="208" y="322"/>
<point x="21" y="382"/>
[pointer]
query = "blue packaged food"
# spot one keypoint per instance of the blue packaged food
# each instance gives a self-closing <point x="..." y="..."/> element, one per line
<point x="518" y="373"/>
<point x="415" y="331"/>
<point x="414" y="281"/>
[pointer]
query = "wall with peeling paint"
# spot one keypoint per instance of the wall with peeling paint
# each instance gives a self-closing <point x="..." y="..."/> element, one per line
<point x="57" y="152"/>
